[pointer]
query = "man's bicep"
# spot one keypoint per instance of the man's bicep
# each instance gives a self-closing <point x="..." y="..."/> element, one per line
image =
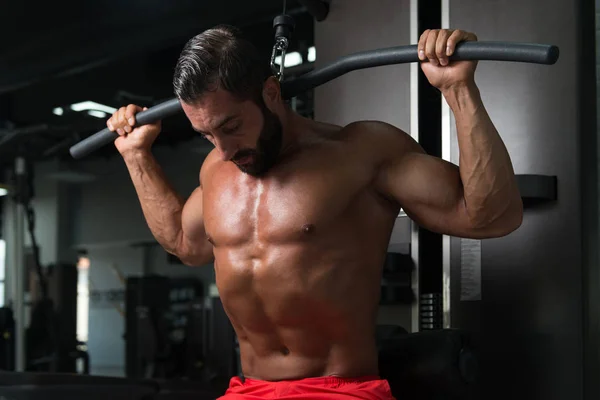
<point x="429" y="190"/>
<point x="195" y="242"/>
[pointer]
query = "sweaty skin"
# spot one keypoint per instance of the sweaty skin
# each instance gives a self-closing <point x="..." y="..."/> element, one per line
<point x="298" y="251"/>
<point x="298" y="257"/>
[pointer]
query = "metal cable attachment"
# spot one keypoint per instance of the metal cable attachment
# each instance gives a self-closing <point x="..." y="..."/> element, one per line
<point x="280" y="48"/>
<point x="284" y="26"/>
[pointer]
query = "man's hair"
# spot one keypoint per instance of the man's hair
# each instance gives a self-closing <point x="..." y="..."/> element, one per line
<point x="220" y="57"/>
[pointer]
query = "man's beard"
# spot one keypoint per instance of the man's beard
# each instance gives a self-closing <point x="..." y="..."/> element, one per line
<point x="265" y="155"/>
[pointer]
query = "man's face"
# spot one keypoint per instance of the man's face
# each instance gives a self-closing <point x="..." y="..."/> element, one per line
<point x="243" y="132"/>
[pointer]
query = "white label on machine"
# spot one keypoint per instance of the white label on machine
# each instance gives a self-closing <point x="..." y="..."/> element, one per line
<point x="470" y="270"/>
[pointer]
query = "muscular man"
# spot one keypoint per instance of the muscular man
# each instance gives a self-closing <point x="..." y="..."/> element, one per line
<point x="297" y="214"/>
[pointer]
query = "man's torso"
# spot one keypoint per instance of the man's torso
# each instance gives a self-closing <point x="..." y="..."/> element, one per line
<point x="298" y="256"/>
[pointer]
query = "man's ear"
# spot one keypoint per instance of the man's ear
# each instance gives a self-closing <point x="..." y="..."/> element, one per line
<point x="271" y="92"/>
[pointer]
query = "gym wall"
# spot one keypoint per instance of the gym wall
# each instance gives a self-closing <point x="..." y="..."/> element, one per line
<point x="381" y="93"/>
<point x="530" y="323"/>
<point x="109" y="223"/>
<point x="530" y="319"/>
<point x="52" y="226"/>
<point x="50" y="194"/>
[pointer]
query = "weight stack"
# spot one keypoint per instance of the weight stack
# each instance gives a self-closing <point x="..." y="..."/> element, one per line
<point x="431" y="311"/>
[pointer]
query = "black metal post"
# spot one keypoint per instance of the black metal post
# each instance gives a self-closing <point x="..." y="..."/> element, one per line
<point x="317" y="8"/>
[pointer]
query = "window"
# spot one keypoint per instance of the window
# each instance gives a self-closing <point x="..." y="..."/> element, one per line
<point x="83" y="298"/>
<point x="2" y="270"/>
<point x="295" y="58"/>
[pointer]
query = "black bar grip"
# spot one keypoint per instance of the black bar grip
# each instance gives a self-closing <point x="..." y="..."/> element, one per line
<point x="501" y="51"/>
<point x="490" y="51"/>
<point x="105" y="136"/>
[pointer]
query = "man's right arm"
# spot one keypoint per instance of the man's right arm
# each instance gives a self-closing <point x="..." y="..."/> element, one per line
<point x="176" y="224"/>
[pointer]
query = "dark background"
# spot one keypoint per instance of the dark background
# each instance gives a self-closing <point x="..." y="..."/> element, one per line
<point x="113" y="52"/>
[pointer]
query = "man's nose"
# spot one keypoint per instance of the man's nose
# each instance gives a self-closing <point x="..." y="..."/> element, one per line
<point x="226" y="149"/>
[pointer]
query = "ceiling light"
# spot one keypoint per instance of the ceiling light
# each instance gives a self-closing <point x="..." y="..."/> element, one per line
<point x="291" y="59"/>
<point x="4" y="190"/>
<point x="97" y="114"/>
<point x="312" y="54"/>
<point x="58" y="111"/>
<point x="92" y="105"/>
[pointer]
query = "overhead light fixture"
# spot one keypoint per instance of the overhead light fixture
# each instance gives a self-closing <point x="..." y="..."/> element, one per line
<point x="94" y="109"/>
<point x="93" y="106"/>
<point x="291" y="59"/>
<point x="97" y="114"/>
<point x="312" y="54"/>
<point x="4" y="190"/>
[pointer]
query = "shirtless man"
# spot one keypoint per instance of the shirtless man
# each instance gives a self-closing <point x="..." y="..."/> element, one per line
<point x="297" y="214"/>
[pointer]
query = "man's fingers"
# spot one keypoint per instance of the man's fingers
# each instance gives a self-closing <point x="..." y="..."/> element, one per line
<point x="109" y="123"/>
<point x="440" y="46"/>
<point x="430" y="47"/>
<point x="422" y="43"/>
<point x="118" y="121"/>
<point x="122" y="121"/>
<point x="453" y="40"/>
<point x="113" y="122"/>
<point x="130" y="112"/>
<point x="457" y="37"/>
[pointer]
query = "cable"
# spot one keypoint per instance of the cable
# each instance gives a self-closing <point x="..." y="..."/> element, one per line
<point x="24" y="193"/>
<point x="26" y="201"/>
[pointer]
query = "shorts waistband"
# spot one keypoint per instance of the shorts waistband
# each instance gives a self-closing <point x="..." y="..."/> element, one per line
<point x="318" y="380"/>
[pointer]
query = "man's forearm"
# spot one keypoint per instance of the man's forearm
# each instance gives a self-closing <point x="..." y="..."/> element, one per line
<point x="161" y="205"/>
<point x="486" y="171"/>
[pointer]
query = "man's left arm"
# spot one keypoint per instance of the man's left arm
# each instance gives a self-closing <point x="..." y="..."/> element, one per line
<point x="480" y="198"/>
<point x="489" y="184"/>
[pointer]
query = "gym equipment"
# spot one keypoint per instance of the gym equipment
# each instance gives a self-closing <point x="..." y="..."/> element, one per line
<point x="52" y="344"/>
<point x="396" y="280"/>
<point x="146" y="344"/>
<point x="164" y="328"/>
<point x="490" y="51"/>
<point x="284" y="26"/>
<point x="7" y="339"/>
<point x="438" y="364"/>
<point x="431" y="365"/>
<point x="319" y="9"/>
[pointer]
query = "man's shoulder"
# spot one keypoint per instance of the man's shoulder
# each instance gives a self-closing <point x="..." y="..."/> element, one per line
<point x="371" y="129"/>
<point x="211" y="162"/>
<point x="377" y="138"/>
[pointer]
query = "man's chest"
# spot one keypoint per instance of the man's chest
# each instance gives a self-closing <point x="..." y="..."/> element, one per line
<point x="280" y="208"/>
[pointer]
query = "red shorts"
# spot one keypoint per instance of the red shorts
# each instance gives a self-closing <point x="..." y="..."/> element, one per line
<point x="322" y="388"/>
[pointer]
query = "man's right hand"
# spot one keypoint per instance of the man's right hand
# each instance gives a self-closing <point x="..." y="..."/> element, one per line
<point x="130" y="138"/>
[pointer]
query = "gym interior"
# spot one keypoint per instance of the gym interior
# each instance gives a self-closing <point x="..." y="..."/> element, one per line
<point x="93" y="306"/>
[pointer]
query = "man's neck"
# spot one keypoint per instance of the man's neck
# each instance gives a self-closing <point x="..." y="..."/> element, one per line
<point x="292" y="125"/>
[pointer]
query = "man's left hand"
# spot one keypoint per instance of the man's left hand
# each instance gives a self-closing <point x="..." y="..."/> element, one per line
<point x="436" y="46"/>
